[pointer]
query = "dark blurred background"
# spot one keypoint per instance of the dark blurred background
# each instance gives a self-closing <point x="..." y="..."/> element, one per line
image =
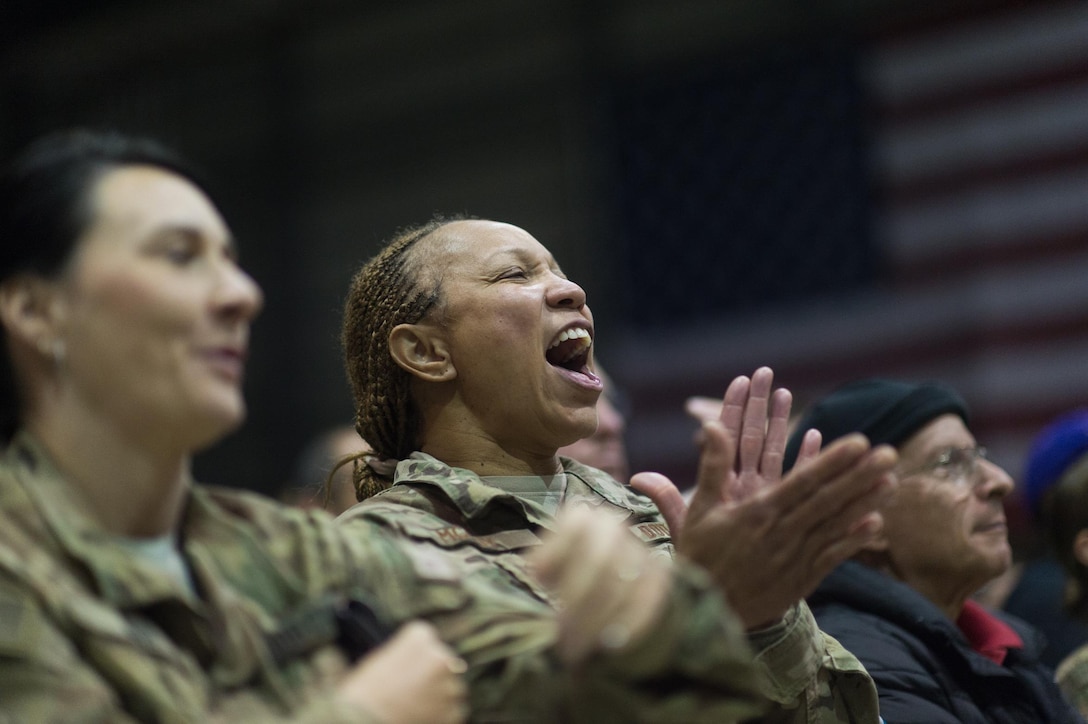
<point x="833" y="188"/>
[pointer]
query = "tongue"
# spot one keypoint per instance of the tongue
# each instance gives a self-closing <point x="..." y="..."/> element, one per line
<point x="564" y="354"/>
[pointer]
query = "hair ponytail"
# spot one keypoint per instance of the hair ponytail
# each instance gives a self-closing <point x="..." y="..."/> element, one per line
<point x="390" y="289"/>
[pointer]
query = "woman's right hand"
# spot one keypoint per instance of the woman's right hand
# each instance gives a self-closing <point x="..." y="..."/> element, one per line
<point x="413" y="678"/>
<point x="610" y="587"/>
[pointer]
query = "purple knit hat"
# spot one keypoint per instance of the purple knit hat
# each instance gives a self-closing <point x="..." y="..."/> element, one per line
<point x="1060" y="444"/>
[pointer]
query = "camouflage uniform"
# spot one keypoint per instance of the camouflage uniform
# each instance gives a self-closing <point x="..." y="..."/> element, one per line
<point x="484" y="529"/>
<point x="1073" y="679"/>
<point x="91" y="633"/>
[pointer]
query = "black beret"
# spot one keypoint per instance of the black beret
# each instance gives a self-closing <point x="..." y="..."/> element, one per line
<point x="885" y="411"/>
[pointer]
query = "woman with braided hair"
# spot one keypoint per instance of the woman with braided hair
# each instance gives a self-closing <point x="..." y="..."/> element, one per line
<point x="470" y="357"/>
<point x="394" y="290"/>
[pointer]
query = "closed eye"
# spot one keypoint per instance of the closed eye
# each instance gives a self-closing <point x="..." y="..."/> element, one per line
<point x="177" y="245"/>
<point x="180" y="255"/>
<point x="514" y="273"/>
<point x="181" y="249"/>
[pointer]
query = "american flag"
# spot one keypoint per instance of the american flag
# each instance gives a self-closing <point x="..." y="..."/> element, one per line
<point x="978" y="165"/>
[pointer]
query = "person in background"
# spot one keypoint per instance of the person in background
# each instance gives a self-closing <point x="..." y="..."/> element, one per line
<point x="321" y="478"/>
<point x="470" y="358"/>
<point x="1056" y="488"/>
<point x="606" y="448"/>
<point x="903" y="604"/>
<point x="1038" y="592"/>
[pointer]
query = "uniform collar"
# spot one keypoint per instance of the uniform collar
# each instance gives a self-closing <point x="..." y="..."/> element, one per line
<point x="465" y="490"/>
<point x="615" y="492"/>
<point x="474" y="498"/>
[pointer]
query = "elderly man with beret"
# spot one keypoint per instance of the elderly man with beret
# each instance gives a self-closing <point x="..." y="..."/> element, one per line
<point x="903" y="605"/>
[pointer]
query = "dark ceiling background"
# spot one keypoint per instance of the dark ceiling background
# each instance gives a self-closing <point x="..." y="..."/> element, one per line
<point x="693" y="162"/>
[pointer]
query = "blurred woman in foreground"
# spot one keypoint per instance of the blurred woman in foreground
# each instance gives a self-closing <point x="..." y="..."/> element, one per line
<point x="128" y="592"/>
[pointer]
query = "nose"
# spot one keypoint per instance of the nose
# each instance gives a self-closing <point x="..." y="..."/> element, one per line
<point x="565" y="293"/>
<point x="237" y="295"/>
<point x="993" y="481"/>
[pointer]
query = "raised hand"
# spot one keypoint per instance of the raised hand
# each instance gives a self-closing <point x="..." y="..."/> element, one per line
<point x="413" y="678"/>
<point x="773" y="548"/>
<point x="769" y="541"/>
<point x="755" y="419"/>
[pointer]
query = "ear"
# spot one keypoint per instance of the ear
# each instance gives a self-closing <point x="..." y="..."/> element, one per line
<point x="421" y="350"/>
<point x="30" y="312"/>
<point x="1080" y="546"/>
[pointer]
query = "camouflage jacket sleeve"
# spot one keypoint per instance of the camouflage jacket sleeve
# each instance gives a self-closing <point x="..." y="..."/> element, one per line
<point x="809" y="676"/>
<point x="90" y="632"/>
<point x="806" y="674"/>
<point x="45" y="678"/>
<point x="695" y="667"/>
<point x="690" y="669"/>
<point x="1072" y="677"/>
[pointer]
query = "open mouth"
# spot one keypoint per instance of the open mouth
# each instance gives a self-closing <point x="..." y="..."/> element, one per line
<point x="570" y="350"/>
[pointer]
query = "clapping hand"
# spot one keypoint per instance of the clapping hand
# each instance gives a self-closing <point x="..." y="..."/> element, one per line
<point x="768" y="540"/>
<point x="413" y="678"/>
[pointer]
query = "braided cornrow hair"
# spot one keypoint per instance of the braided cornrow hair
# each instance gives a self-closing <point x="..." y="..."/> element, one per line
<point x="388" y="290"/>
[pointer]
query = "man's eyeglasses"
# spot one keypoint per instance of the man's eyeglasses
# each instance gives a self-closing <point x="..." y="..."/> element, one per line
<point x="954" y="465"/>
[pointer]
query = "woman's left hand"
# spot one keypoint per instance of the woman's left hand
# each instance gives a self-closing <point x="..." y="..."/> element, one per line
<point x="768" y="540"/>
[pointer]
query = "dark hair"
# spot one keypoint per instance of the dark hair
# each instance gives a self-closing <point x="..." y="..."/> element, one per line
<point x="45" y="206"/>
<point x="1063" y="513"/>
<point x="388" y="290"/>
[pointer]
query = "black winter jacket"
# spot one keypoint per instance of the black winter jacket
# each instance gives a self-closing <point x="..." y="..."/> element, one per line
<point x="924" y="668"/>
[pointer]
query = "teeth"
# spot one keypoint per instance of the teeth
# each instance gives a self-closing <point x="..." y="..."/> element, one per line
<point x="569" y="334"/>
